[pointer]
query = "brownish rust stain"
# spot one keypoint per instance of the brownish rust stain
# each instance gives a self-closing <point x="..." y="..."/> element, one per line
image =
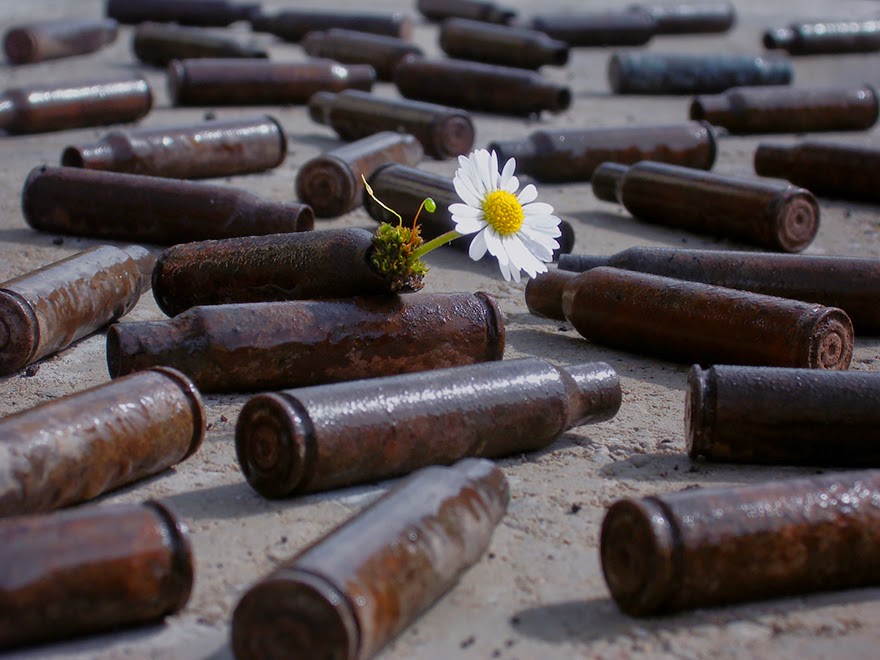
<point x="353" y="46"/>
<point x="159" y="43"/>
<point x="49" y="40"/>
<point x="501" y="44"/>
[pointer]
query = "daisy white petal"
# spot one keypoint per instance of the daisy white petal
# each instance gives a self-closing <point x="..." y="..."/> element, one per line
<point x="493" y="171"/>
<point x="465" y="210"/>
<point x="541" y="247"/>
<point x="467" y="226"/>
<point x="470" y="197"/>
<point x="528" y="194"/>
<point x="537" y="208"/>
<point x="521" y="257"/>
<point x="478" y="247"/>
<point x="512" y="185"/>
<point x="493" y="242"/>
<point x="507" y="175"/>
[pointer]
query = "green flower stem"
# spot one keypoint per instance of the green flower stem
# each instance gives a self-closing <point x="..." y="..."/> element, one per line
<point x="434" y="243"/>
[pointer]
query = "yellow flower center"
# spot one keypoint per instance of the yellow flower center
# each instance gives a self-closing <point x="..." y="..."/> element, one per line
<point x="503" y="212"/>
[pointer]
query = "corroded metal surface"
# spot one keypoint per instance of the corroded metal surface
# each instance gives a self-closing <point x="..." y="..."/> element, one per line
<point x="598" y="29"/>
<point x="696" y="322"/>
<point x="275" y="345"/>
<point x="49" y="40"/>
<point x="91" y="569"/>
<point x="356" y="588"/>
<point x="707" y="547"/>
<point x="544" y="293"/>
<point x="825" y="38"/>
<point x="294" y="24"/>
<point x="355" y="47"/>
<point x="159" y="43"/>
<point x="330" y="436"/>
<point x="478" y="10"/>
<point x="500" y="44"/>
<point x="210" y="13"/>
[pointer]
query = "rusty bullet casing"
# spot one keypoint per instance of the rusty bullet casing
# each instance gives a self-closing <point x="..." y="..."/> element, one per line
<point x="825" y="38"/>
<point x="331" y="263"/>
<point x="544" y="293"/>
<point x="274" y="345"/>
<point x="695" y="322"/>
<point x="332" y="183"/>
<point x="500" y="44"/>
<point x="353" y="590"/>
<point x="91" y="569"/>
<point x="783" y="416"/>
<point x="208" y="13"/>
<point x="847" y="171"/>
<point x="689" y="17"/>
<point x="657" y="73"/>
<point x="160" y="43"/>
<point x="476" y="86"/>
<point x="294" y="24"/>
<point x="48" y="309"/>
<point x="353" y="47"/>
<point x="404" y="188"/>
<point x="569" y="155"/>
<point x="209" y="81"/>
<point x="444" y="132"/>
<point x="477" y="10"/>
<point x="54" y="39"/>
<point x="61" y="106"/>
<point x="592" y="29"/>
<point x="850" y="283"/>
<point x="75" y="448"/>
<point x="72" y="200"/>
<point x="771" y="214"/>
<point x="209" y="149"/>
<point x="301" y="441"/>
<point x="716" y="546"/>
<point x="790" y="109"/>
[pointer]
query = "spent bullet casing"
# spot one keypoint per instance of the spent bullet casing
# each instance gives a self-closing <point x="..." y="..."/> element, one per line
<point x="591" y="29"/>
<point x="301" y="441"/>
<point x="333" y="183"/>
<point x="208" y="13"/>
<point x="75" y="448"/>
<point x="48" y="309"/>
<point x="160" y="43"/>
<point x="404" y="188"/>
<point x="353" y="47"/>
<point x="569" y="155"/>
<point x="275" y="345"/>
<point x="62" y="106"/>
<point x="689" y="17"/>
<point x="695" y="322"/>
<point x="848" y="171"/>
<point x="850" y="283"/>
<point x="488" y="12"/>
<point x="658" y="73"/>
<point x="790" y="109"/>
<point x="210" y="149"/>
<point x="353" y="590"/>
<point x="783" y="416"/>
<point x="707" y="547"/>
<point x="210" y="81"/>
<point x="500" y="44"/>
<point x="544" y="293"/>
<point x="54" y="39"/>
<point x="294" y="24"/>
<point x="91" y="569"/>
<point x="771" y="214"/>
<point x="72" y="200"/>
<point x="444" y="132"/>
<point x="476" y="86"/>
<point x="331" y="263"/>
<point x="825" y="38"/>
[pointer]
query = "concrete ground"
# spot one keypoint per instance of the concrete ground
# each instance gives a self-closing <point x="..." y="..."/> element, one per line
<point x="539" y="591"/>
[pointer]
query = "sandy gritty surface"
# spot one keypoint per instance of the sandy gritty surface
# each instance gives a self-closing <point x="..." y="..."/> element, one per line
<point x="539" y="592"/>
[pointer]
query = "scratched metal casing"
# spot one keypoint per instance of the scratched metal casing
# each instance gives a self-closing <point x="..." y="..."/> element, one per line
<point x="75" y="448"/>
<point x="569" y="155"/>
<point x="825" y="38"/>
<point x="658" y="73"/>
<point x="221" y="81"/>
<point x="131" y="207"/>
<point x="783" y="416"/>
<point x="331" y="263"/>
<point x="847" y="171"/>
<point x="444" y="132"/>
<point x="850" y="283"/>
<point x="716" y="546"/>
<point x="91" y="569"/>
<point x="208" y="13"/>
<point x="689" y="17"/>
<point x="276" y="345"/>
<point x="353" y="590"/>
<point x="695" y="322"/>
<point x="331" y="436"/>
<point x="477" y="86"/>
<point x="354" y="47"/>
<point x="60" y="106"/>
<point x="544" y="293"/>
<point x="598" y="29"/>
<point x="333" y="183"/>
<point x="500" y="44"/>
<point x="771" y="214"/>
<point x="48" y="309"/>
<point x="790" y="109"/>
<point x="160" y="43"/>
<point x="477" y="10"/>
<point x="404" y="188"/>
<point x="294" y="24"/>
<point x="210" y="149"/>
<point x="54" y="39"/>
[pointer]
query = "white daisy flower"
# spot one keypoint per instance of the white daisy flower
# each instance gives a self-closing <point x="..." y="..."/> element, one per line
<point x="514" y="228"/>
